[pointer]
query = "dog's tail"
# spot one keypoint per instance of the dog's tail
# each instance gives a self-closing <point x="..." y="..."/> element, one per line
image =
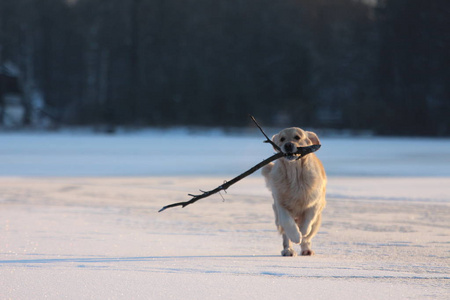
<point x="267" y="169"/>
<point x="266" y="173"/>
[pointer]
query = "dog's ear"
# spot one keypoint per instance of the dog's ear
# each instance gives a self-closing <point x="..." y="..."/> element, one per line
<point x="313" y="137"/>
<point x="274" y="139"/>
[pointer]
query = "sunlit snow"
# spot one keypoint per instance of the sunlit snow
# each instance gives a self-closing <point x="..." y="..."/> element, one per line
<point x="79" y="220"/>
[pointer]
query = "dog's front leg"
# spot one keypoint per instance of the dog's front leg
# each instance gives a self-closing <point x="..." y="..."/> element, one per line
<point x="287" y="247"/>
<point x="290" y="228"/>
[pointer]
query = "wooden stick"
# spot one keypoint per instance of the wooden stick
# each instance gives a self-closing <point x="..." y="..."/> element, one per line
<point x="302" y="151"/>
<point x="226" y="185"/>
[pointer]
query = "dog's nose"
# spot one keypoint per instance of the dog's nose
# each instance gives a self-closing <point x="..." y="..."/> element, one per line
<point x="289" y="147"/>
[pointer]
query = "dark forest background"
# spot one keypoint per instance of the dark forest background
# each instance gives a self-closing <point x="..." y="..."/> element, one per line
<point x="382" y="66"/>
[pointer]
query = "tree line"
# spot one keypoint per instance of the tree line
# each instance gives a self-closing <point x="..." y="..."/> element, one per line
<point x="381" y="66"/>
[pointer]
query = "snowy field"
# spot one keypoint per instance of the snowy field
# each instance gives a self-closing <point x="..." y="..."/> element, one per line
<point x="79" y="220"/>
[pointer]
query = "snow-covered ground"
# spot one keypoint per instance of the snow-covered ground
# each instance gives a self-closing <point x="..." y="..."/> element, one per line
<point x="79" y="220"/>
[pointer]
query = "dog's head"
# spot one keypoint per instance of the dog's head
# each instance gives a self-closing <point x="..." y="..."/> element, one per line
<point x="290" y="139"/>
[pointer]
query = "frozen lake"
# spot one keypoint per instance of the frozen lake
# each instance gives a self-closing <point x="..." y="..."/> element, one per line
<point x="180" y="152"/>
<point x="78" y="219"/>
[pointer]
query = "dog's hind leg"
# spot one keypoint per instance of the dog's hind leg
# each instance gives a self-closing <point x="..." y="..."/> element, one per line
<point x="308" y="220"/>
<point x="306" y="242"/>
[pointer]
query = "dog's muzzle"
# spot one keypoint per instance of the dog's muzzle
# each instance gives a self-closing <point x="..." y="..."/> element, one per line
<point x="290" y="149"/>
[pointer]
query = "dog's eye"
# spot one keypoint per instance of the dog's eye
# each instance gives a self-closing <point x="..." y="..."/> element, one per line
<point x="297" y="137"/>
<point x="282" y="139"/>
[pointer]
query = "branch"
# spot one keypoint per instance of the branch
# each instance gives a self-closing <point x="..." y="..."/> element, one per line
<point x="226" y="185"/>
<point x="302" y="151"/>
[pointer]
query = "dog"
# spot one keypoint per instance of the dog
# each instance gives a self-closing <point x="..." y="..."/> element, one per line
<point x="298" y="186"/>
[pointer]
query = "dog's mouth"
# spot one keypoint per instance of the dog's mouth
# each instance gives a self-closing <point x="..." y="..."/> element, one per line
<point x="292" y="156"/>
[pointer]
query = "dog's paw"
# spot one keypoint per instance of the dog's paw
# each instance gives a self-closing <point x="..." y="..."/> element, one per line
<point x="307" y="252"/>
<point x="288" y="252"/>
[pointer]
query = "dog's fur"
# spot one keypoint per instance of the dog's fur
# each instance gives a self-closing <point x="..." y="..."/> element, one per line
<point x="298" y="189"/>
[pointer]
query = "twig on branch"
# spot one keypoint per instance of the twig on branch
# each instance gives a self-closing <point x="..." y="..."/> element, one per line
<point x="267" y="138"/>
<point x="302" y="151"/>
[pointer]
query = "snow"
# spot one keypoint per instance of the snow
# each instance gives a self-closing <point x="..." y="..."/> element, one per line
<point x="79" y="220"/>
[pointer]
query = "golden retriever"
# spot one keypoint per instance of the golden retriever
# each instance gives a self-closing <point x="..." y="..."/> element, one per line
<point x="298" y="188"/>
